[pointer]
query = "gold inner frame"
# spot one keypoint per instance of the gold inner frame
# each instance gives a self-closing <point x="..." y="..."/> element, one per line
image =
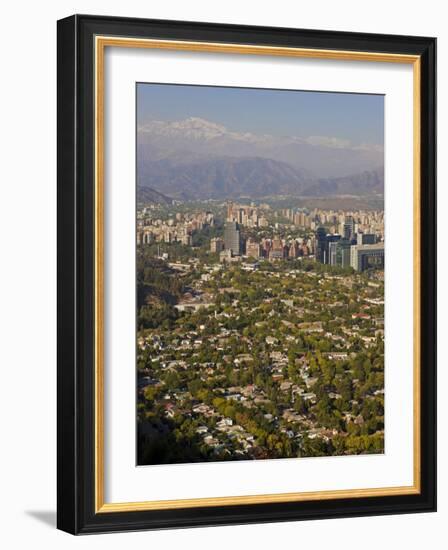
<point x="101" y="42"/>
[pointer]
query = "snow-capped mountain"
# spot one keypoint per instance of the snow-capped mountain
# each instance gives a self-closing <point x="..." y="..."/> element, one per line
<point x="321" y="156"/>
<point x="199" y="157"/>
<point x="197" y="129"/>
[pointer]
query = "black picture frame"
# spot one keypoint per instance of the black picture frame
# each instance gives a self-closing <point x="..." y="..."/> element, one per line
<point x="76" y="254"/>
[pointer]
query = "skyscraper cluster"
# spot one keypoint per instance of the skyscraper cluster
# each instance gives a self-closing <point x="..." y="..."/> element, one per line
<point x="359" y="250"/>
<point x="249" y="216"/>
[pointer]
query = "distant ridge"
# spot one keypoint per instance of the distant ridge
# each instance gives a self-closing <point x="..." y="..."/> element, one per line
<point x="194" y="138"/>
<point x="369" y="182"/>
<point x="227" y="178"/>
<point x="149" y="195"/>
<point x="221" y="178"/>
<point x="199" y="159"/>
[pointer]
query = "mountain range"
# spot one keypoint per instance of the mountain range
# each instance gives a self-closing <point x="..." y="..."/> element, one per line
<point x="195" y="158"/>
<point x="147" y="194"/>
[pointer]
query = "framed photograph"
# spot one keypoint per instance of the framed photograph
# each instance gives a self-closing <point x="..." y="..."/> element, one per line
<point x="246" y="274"/>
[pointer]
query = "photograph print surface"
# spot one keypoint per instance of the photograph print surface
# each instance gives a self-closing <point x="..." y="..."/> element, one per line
<point x="259" y="275"/>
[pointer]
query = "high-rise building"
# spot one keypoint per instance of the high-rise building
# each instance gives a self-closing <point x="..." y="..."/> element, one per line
<point x="232" y="238"/>
<point x="265" y="248"/>
<point x="277" y="251"/>
<point x="330" y="240"/>
<point x="367" y="256"/>
<point x="252" y="249"/>
<point x="321" y="241"/>
<point x="216" y="245"/>
<point x="365" y="238"/>
<point x="332" y="250"/>
<point x="229" y="216"/>
<point x="349" y="226"/>
<point x="294" y="250"/>
<point x="343" y="253"/>
<point x="186" y="239"/>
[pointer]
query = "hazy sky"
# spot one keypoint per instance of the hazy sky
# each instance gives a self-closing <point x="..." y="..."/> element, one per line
<point x="356" y="117"/>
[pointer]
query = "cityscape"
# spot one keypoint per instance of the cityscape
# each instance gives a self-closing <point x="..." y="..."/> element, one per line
<point x="353" y="239"/>
<point x="260" y="322"/>
<point x="268" y="339"/>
